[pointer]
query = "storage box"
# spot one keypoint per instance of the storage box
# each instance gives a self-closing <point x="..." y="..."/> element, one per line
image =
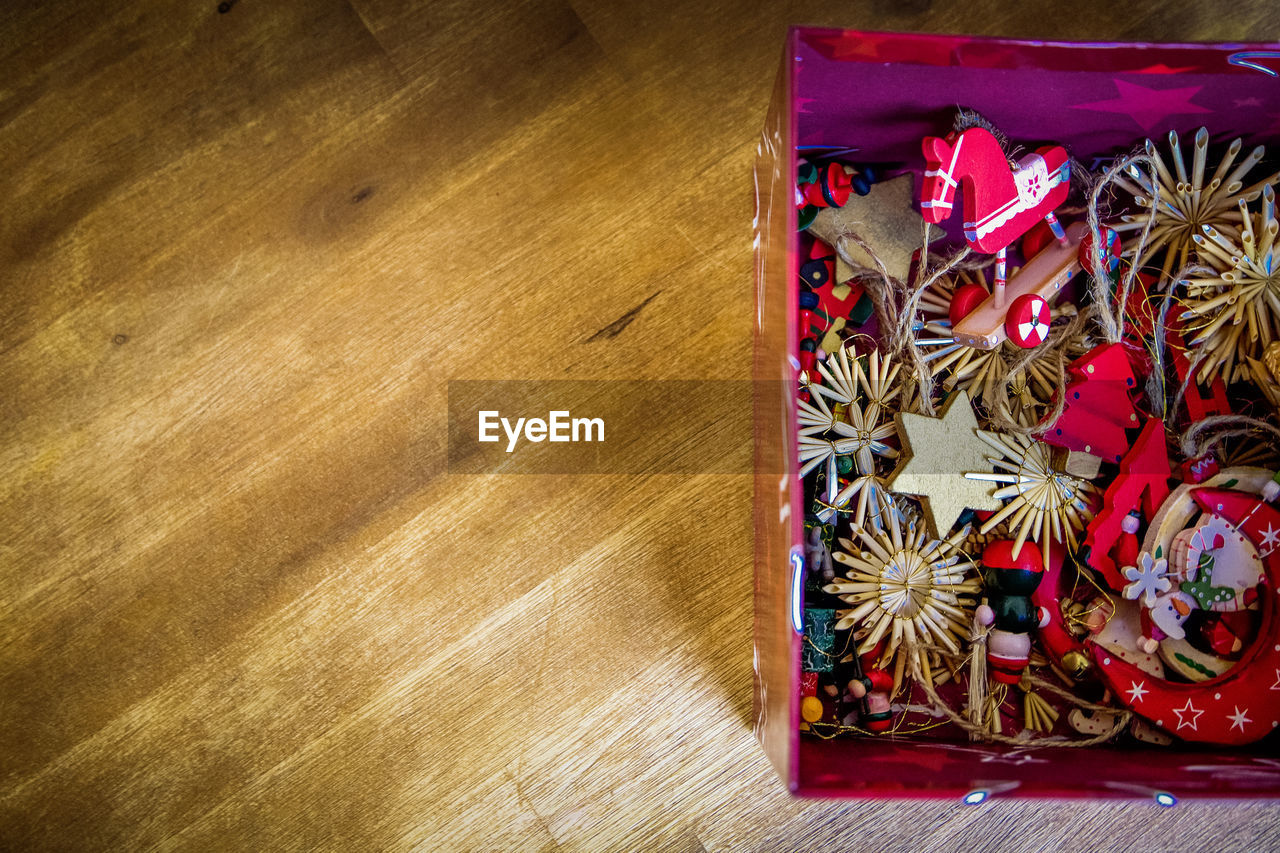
<point x="881" y="93"/>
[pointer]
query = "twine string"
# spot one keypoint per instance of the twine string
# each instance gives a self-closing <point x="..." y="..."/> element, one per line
<point x="1123" y="717"/>
<point x="1204" y="435"/>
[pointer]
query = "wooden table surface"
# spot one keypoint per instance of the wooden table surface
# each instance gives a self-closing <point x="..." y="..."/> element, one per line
<point x="244" y="604"/>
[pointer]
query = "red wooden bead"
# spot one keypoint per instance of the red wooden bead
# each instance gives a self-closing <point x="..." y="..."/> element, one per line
<point x="1036" y="239"/>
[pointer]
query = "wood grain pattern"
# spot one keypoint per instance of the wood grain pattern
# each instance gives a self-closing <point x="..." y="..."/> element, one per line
<point x="242" y="603"/>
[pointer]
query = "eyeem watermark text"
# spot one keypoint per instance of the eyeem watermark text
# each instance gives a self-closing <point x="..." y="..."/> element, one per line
<point x="655" y="426"/>
<point x="558" y="426"/>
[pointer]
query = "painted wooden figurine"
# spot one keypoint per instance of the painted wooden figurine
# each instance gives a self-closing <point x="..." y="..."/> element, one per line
<point x="1239" y="705"/>
<point x="1009" y="583"/>
<point x="873" y="688"/>
<point x="1001" y="203"/>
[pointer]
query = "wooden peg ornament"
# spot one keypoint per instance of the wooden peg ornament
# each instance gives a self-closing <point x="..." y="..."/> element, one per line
<point x="1009" y="581"/>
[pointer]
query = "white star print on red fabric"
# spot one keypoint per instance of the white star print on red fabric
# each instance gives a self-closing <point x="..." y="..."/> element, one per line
<point x="1239" y="718"/>
<point x="1193" y="714"/>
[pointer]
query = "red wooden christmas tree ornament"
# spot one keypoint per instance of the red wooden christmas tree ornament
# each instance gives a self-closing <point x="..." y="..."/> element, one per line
<point x="1098" y="407"/>
<point x="1142" y="484"/>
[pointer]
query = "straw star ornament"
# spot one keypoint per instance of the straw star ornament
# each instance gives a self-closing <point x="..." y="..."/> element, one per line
<point x="1187" y="200"/>
<point x="1235" y="313"/>
<point x="908" y="589"/>
<point x="1043" y="503"/>
<point x="854" y="425"/>
<point x="1021" y="395"/>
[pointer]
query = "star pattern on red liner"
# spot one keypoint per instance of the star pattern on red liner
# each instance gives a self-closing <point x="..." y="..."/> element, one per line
<point x="886" y="47"/>
<point x="1147" y="107"/>
<point x="936" y="760"/>
<point x="1162" y="68"/>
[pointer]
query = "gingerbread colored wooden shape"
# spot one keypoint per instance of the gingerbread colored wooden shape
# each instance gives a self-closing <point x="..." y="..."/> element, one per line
<point x="937" y="453"/>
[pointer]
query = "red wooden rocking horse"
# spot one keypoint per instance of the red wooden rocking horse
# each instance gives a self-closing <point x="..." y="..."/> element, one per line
<point x="1000" y="205"/>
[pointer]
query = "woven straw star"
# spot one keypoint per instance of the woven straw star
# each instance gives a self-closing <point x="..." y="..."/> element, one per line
<point x="1187" y="200"/>
<point x="1235" y="312"/>
<point x="908" y="589"/>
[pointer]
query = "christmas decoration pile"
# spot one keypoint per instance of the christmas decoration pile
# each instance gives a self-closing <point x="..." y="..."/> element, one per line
<point x="1040" y="456"/>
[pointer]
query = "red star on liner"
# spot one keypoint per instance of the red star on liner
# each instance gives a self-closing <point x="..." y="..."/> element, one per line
<point x="987" y="56"/>
<point x="1148" y="107"/>
<point x="1271" y="129"/>
<point x="802" y="104"/>
<point x="934" y="761"/>
<point x="1241" y="103"/>
<point x="848" y="46"/>
<point x="886" y="47"/>
<point x="1161" y="68"/>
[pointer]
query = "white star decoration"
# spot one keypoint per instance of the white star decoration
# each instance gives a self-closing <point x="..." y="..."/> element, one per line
<point x="1239" y="718"/>
<point x="1276" y="686"/>
<point x="1270" y="540"/>
<point x="1137" y="691"/>
<point x="1193" y="713"/>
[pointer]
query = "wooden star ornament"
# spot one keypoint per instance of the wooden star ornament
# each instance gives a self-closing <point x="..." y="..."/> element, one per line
<point x="884" y="219"/>
<point x="938" y="452"/>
